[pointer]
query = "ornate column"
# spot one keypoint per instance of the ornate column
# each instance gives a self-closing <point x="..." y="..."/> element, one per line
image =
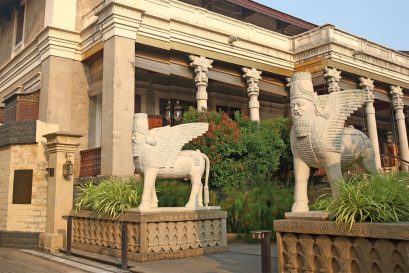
<point x="367" y="84"/>
<point x="332" y="77"/>
<point x="397" y="100"/>
<point x="201" y="66"/>
<point x="252" y="77"/>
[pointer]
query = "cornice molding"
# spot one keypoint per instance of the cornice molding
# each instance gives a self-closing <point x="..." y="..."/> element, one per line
<point x="117" y="19"/>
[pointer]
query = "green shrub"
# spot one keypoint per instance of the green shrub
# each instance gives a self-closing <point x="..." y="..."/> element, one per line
<point x="109" y="197"/>
<point x="378" y="198"/>
<point x="240" y="150"/>
<point x="255" y="208"/>
<point x="176" y="192"/>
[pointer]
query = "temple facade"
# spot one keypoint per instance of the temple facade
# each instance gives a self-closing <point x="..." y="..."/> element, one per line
<point x="73" y="73"/>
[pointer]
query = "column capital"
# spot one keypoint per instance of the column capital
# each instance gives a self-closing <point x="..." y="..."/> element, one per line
<point x="397" y="97"/>
<point x="252" y="77"/>
<point x="201" y="65"/>
<point x="367" y="85"/>
<point x="202" y="62"/>
<point x="332" y="77"/>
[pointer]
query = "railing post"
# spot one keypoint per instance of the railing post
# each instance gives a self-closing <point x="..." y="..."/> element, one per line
<point x="124" y="256"/>
<point x="69" y="235"/>
<point x="264" y="236"/>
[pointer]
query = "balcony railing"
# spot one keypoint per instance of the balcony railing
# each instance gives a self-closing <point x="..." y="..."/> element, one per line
<point x="90" y="162"/>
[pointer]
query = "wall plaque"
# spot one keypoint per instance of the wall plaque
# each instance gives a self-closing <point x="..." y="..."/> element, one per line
<point x="18" y="132"/>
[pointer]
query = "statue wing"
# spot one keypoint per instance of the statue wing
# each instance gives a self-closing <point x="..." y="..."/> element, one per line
<point x="338" y="107"/>
<point x="170" y="140"/>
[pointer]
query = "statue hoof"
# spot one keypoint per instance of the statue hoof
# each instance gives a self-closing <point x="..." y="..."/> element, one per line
<point x="300" y="207"/>
<point x="154" y="205"/>
<point x="199" y="205"/>
<point x="144" y="205"/>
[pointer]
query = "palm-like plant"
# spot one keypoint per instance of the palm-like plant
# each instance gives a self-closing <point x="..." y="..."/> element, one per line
<point x="378" y="198"/>
<point x="110" y="197"/>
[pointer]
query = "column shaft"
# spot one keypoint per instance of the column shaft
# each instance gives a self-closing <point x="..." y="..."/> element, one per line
<point x="252" y="77"/>
<point x="373" y="132"/>
<point x="397" y="100"/>
<point x="201" y="66"/>
<point x="118" y="88"/>
<point x="367" y="84"/>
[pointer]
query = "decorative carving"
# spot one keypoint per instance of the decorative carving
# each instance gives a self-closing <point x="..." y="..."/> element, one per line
<point x="318" y="136"/>
<point x="164" y="239"/>
<point x="332" y="76"/>
<point x="157" y="153"/>
<point x="397" y="97"/>
<point x="252" y="77"/>
<point x="306" y="247"/>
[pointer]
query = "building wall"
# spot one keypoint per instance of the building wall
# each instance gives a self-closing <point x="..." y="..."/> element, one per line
<point x="34" y="21"/>
<point x="83" y="7"/>
<point x="6" y="38"/>
<point x="33" y="24"/>
<point x="64" y="98"/>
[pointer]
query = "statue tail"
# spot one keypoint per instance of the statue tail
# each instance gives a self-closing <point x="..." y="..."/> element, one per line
<point x="206" y="187"/>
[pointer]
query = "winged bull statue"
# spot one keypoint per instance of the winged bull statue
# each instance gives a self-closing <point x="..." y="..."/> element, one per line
<point x="319" y="138"/>
<point x="157" y="153"/>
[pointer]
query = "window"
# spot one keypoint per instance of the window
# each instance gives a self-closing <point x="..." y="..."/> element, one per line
<point x="22" y="186"/>
<point x="19" y="24"/>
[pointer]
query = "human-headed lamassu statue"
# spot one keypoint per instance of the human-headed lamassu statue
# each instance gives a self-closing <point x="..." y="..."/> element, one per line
<point x="157" y="154"/>
<point x="319" y="138"/>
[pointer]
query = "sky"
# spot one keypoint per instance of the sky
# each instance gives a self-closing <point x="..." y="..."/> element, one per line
<point x="384" y="22"/>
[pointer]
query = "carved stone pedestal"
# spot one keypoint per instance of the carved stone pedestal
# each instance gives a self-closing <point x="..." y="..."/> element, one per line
<point x="323" y="246"/>
<point x="165" y="233"/>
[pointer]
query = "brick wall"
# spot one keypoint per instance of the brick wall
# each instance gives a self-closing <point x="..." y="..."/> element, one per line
<point x="1" y="115"/>
<point x="10" y="110"/>
<point x="27" y="111"/>
<point x="22" y="107"/>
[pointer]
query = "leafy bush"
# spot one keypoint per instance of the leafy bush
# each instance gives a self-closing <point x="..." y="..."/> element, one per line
<point x="176" y="192"/>
<point x="378" y="198"/>
<point x="240" y="150"/>
<point x="255" y="208"/>
<point x="109" y="197"/>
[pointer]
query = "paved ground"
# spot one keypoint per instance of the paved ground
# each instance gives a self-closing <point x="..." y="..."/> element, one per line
<point x="16" y="261"/>
<point x="241" y="258"/>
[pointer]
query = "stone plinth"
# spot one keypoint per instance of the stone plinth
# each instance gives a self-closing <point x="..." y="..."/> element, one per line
<point x="165" y="233"/>
<point x="323" y="246"/>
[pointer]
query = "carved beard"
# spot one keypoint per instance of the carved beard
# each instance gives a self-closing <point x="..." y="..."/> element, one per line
<point x="302" y="126"/>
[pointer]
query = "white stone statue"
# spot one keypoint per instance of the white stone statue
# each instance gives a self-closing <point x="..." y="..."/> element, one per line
<point x="319" y="139"/>
<point x="157" y="154"/>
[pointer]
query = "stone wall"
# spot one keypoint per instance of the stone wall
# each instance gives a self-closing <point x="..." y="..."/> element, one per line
<point x="1" y="115"/>
<point x="28" y="217"/>
<point x="321" y="246"/>
<point x="4" y="185"/>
